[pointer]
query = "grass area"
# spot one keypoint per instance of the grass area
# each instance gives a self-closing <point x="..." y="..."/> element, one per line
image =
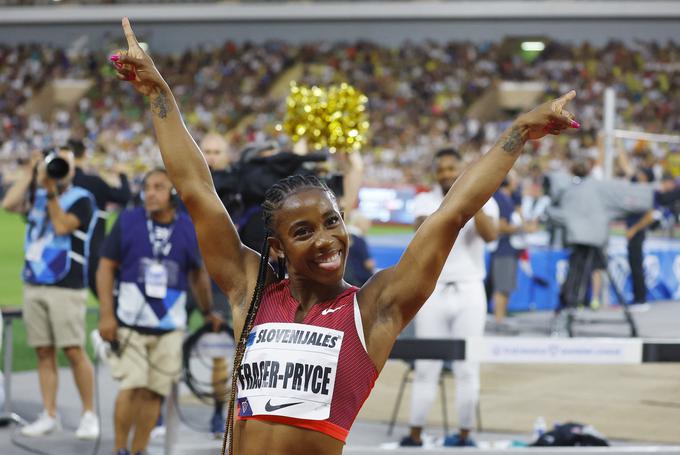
<point x="390" y="229"/>
<point x="11" y="258"/>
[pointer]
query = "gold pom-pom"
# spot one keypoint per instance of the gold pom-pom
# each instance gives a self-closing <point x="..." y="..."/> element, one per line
<point x="333" y="118"/>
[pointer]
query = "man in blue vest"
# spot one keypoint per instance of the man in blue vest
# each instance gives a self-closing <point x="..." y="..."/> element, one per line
<point x="153" y="254"/>
<point x="60" y="220"/>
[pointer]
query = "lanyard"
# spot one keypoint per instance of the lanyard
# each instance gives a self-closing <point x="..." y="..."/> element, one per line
<point x="159" y="247"/>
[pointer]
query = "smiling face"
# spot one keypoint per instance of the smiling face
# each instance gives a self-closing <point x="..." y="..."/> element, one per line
<point x="311" y="234"/>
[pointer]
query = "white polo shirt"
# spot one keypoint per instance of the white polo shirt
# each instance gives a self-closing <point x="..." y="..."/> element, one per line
<point x="466" y="260"/>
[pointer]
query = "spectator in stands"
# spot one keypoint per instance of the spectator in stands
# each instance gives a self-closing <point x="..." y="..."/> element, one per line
<point x="456" y="308"/>
<point x="153" y="252"/>
<point x="60" y="223"/>
<point x="417" y="94"/>
<point x="504" y="259"/>
<point x="103" y="194"/>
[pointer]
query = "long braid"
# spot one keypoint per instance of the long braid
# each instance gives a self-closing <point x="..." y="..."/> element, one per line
<point x="241" y="347"/>
<point x="274" y="198"/>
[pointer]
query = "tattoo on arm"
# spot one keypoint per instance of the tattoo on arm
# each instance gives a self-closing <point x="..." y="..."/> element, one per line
<point x="514" y="142"/>
<point x="159" y="105"/>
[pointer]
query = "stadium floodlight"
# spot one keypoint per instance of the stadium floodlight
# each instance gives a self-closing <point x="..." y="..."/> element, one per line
<point x="533" y="46"/>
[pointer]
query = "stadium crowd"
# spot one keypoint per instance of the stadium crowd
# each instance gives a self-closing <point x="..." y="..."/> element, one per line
<point x="419" y="95"/>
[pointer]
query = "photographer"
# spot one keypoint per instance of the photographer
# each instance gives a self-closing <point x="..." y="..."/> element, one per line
<point x="60" y="220"/>
<point x="103" y="194"/>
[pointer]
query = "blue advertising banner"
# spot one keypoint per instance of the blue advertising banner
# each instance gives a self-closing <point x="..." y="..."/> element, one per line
<point x="539" y="279"/>
<point x="662" y="275"/>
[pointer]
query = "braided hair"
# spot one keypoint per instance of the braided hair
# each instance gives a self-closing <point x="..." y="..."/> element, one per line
<point x="273" y="200"/>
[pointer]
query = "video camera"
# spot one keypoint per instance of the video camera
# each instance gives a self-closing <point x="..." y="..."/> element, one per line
<point x="243" y="190"/>
<point x="259" y="173"/>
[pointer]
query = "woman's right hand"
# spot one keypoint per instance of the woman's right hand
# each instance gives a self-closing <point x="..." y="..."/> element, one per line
<point x="549" y="118"/>
<point x="135" y="65"/>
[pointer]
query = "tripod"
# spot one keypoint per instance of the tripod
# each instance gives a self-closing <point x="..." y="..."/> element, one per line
<point x="581" y="265"/>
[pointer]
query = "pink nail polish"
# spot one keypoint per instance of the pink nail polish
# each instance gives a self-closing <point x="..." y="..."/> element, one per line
<point x="114" y="57"/>
<point x="575" y="124"/>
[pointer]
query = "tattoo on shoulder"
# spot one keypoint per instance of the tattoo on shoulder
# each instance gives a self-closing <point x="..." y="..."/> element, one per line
<point x="513" y="142"/>
<point x="159" y="105"/>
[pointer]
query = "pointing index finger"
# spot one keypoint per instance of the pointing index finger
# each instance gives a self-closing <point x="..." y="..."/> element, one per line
<point x="129" y="34"/>
<point x="564" y="99"/>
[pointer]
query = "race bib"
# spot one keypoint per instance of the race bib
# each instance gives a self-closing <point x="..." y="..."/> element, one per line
<point x="156" y="280"/>
<point x="289" y="370"/>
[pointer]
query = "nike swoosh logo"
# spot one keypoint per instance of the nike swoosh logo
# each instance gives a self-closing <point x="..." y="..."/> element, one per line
<point x="269" y="407"/>
<point x="331" y="310"/>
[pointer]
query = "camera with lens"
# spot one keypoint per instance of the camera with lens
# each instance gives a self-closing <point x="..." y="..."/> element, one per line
<point x="57" y="167"/>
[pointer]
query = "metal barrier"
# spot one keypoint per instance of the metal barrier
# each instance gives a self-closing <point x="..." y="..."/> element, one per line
<point x="8" y="317"/>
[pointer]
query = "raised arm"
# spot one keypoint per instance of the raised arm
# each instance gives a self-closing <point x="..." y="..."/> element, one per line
<point x="353" y="174"/>
<point x="230" y="263"/>
<point x="400" y="291"/>
<point x="16" y="197"/>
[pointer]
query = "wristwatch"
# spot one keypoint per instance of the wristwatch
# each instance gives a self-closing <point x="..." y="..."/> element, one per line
<point x="51" y="195"/>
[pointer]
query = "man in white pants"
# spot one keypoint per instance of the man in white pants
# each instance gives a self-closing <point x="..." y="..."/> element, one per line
<point x="456" y="309"/>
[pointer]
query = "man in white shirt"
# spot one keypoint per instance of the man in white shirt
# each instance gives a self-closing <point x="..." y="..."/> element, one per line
<point x="456" y="308"/>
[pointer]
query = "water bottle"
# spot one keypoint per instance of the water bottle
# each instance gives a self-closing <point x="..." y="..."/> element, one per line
<point x="539" y="427"/>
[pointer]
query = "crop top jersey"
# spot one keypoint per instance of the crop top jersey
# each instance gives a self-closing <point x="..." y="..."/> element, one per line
<point x="315" y="374"/>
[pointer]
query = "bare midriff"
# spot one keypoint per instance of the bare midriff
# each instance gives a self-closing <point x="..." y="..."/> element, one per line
<point x="255" y="437"/>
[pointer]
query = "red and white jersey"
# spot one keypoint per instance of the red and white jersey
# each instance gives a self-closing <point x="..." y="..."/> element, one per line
<point x="315" y="374"/>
